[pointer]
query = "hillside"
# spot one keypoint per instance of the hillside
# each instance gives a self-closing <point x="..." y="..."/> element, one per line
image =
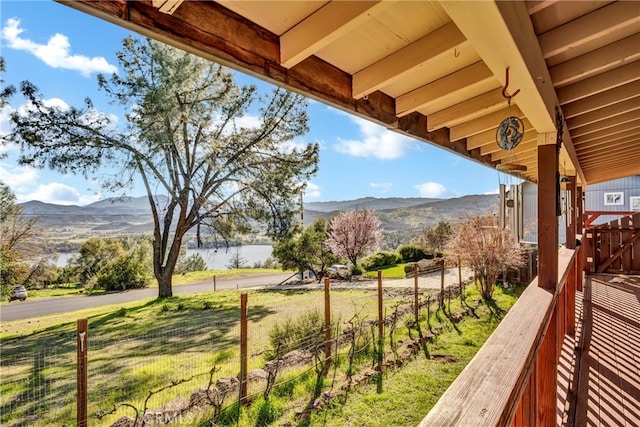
<point x="402" y="218"/>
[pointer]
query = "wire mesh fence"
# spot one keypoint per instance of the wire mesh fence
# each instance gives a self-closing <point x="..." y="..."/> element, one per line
<point x="303" y="344"/>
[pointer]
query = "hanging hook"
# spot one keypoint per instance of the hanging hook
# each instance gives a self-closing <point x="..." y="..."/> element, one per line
<point x="456" y="53"/>
<point x="506" y="85"/>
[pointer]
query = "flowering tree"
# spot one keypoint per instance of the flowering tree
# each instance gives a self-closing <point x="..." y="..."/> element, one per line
<point x="354" y="233"/>
<point x="487" y="248"/>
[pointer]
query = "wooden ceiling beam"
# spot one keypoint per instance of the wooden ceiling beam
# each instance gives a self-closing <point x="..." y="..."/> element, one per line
<point x="482" y="124"/>
<point x="596" y="62"/>
<point x="605" y="124"/>
<point x="326" y="25"/>
<point x="601" y="100"/>
<point x="609" y="174"/>
<point x="602" y="82"/>
<point x="489" y="137"/>
<point x="470" y="109"/>
<point x="167" y="6"/>
<point x="212" y="31"/>
<point x="527" y="137"/>
<point x="601" y="114"/>
<point x="614" y="162"/>
<point x="632" y="126"/>
<point x="510" y="41"/>
<point x="462" y="80"/>
<point x="628" y="143"/>
<point x="418" y="54"/>
<point x="599" y="23"/>
<point x="629" y="135"/>
<point x="536" y="6"/>
<point x="523" y="147"/>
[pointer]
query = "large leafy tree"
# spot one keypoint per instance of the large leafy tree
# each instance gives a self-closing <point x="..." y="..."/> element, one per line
<point x="354" y="233"/>
<point x="189" y="138"/>
<point x="307" y="250"/>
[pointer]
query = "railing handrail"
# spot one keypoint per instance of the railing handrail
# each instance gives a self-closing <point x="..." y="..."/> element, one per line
<point x="487" y="392"/>
<point x="590" y="216"/>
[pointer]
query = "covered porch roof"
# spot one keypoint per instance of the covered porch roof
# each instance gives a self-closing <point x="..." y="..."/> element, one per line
<point x="435" y="70"/>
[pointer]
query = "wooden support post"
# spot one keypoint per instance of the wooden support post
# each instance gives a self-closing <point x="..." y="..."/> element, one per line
<point x="579" y="209"/>
<point x="416" y="300"/>
<point x="571" y="217"/>
<point x="580" y="266"/>
<point x="327" y="320"/>
<point x="243" y="347"/>
<point x="548" y="195"/>
<point x="546" y="377"/>
<point x="380" y="323"/>
<point x="81" y="371"/>
<point x="547" y="219"/>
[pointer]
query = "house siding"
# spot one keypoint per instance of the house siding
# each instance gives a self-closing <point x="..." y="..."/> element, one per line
<point x="593" y="201"/>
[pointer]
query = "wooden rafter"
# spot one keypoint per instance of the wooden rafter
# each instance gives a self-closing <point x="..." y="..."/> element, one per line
<point x="332" y="21"/>
<point x="417" y="54"/>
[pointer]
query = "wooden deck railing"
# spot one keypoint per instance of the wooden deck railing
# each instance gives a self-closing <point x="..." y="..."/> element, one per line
<point x="511" y="381"/>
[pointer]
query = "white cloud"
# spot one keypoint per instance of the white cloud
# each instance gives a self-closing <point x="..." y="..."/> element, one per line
<point x="431" y="189"/>
<point x="18" y="178"/>
<point x="56" y="53"/>
<point x="495" y="191"/>
<point x="312" y="191"/>
<point x="58" y="193"/>
<point x="384" y="187"/>
<point x="375" y="141"/>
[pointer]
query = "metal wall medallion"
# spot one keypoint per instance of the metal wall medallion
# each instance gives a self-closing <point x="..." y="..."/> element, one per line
<point x="509" y="133"/>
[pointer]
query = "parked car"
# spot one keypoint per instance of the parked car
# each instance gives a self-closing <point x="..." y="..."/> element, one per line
<point x="338" y="267"/>
<point x="18" y="292"/>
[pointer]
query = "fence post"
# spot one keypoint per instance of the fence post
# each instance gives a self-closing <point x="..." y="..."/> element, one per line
<point x="81" y="371"/>
<point x="442" y="286"/>
<point x="214" y="283"/>
<point x="460" y="276"/>
<point x="380" y="322"/>
<point x="327" y="320"/>
<point x="416" y="300"/>
<point x="243" y="346"/>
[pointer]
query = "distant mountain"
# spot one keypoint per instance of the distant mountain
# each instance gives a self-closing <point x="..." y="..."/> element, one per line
<point x="401" y="218"/>
<point x="372" y="203"/>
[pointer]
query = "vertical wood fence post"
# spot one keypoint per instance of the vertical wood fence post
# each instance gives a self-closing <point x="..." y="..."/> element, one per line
<point x="380" y="322"/>
<point x="416" y="300"/>
<point x="327" y="320"/>
<point x="442" y="285"/>
<point x="571" y="297"/>
<point x="460" y="277"/>
<point x="243" y="346"/>
<point x="81" y="371"/>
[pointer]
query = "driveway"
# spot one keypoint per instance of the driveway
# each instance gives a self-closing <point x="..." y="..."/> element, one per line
<point x="17" y="310"/>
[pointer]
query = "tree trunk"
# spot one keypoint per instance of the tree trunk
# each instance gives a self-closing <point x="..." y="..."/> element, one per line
<point x="164" y="283"/>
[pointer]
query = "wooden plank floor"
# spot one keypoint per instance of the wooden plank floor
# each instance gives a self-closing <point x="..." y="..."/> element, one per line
<point x="608" y="356"/>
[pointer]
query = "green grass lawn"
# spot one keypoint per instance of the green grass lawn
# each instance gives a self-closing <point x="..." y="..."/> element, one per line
<point x="391" y="272"/>
<point x="146" y="345"/>
<point x="72" y="290"/>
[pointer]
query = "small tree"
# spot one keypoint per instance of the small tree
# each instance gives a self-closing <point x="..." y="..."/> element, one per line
<point x="307" y="250"/>
<point x="487" y="248"/>
<point x="236" y="260"/>
<point x="193" y="262"/>
<point x="436" y="238"/>
<point x="354" y="233"/>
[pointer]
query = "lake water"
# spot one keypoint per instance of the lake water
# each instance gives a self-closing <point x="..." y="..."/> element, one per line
<point x="215" y="259"/>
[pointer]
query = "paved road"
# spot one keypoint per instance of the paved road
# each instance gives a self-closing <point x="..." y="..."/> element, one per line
<point x="23" y="310"/>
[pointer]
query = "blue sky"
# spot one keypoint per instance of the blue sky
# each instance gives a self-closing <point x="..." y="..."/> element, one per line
<point x="61" y="50"/>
